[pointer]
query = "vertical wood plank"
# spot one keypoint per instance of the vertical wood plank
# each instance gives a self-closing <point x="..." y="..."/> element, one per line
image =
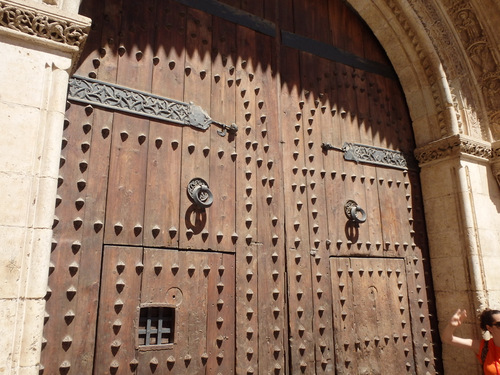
<point x="127" y="179"/>
<point x="61" y="307"/>
<point x="334" y="185"/>
<point x="319" y="123"/>
<point x="255" y="7"/>
<point x="310" y="20"/>
<point x="358" y="235"/>
<point x="91" y="242"/>
<point x="118" y="310"/>
<point x="270" y="218"/>
<point x="194" y="225"/>
<point x="125" y="208"/>
<point x="247" y="327"/>
<point x="220" y="314"/>
<point x="296" y="213"/>
<point x="108" y="67"/>
<point x="104" y="61"/>
<point x="343" y="314"/>
<point x="227" y="274"/>
<point x="222" y="149"/>
<point x="162" y="210"/>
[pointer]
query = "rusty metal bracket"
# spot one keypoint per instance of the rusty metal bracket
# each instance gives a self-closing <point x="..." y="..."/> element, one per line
<point x="140" y="103"/>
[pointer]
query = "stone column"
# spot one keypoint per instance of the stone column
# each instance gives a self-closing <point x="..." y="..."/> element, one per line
<point x="39" y="45"/>
<point x="461" y="202"/>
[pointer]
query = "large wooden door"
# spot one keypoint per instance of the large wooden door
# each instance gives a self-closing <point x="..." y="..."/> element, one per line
<point x="279" y="113"/>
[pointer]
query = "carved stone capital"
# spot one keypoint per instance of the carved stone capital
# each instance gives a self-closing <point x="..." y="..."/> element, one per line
<point x="453" y="146"/>
<point x="44" y="24"/>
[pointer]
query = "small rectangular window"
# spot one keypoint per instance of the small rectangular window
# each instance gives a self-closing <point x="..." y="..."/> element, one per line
<point x="156" y="325"/>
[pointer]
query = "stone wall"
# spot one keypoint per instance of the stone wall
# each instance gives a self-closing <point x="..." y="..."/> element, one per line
<point x="34" y="74"/>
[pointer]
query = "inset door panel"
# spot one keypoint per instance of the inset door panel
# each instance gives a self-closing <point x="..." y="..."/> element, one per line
<point x="165" y="311"/>
<point x="372" y="328"/>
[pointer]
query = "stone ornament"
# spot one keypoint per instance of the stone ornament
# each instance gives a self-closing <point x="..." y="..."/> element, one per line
<point x="452" y="146"/>
<point x="32" y="22"/>
<point x="457" y="145"/>
<point x="481" y="53"/>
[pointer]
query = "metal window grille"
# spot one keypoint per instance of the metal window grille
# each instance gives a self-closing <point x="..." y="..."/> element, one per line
<point x="156" y="325"/>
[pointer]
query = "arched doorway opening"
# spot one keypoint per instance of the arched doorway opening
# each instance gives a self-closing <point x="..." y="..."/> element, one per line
<point x="279" y="266"/>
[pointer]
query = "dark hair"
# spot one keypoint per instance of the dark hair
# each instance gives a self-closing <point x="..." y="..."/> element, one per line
<point x="486" y="318"/>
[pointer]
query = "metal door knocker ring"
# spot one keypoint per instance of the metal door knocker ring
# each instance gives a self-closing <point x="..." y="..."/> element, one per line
<point x="354" y="212"/>
<point x="200" y="193"/>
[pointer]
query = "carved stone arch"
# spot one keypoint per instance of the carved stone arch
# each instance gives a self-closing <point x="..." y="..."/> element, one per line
<point x="447" y="66"/>
<point x="417" y="64"/>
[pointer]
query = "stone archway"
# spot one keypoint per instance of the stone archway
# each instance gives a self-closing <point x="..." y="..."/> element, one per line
<point x="448" y="88"/>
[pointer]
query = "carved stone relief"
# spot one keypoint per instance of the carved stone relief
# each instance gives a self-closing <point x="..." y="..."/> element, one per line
<point x="466" y="94"/>
<point x="43" y="25"/>
<point x="484" y="60"/>
<point x="453" y="146"/>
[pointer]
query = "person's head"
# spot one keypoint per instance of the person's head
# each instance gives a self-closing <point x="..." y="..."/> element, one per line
<point x="489" y="319"/>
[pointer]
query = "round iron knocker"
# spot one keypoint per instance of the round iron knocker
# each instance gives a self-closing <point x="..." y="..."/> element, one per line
<point x="200" y="193"/>
<point x="354" y="212"/>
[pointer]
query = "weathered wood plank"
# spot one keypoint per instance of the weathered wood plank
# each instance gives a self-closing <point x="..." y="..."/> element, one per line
<point x="162" y="210"/>
<point x="92" y="239"/>
<point x="194" y="222"/>
<point x="247" y="309"/>
<point x="125" y="208"/>
<point x="319" y="122"/>
<point x="227" y="273"/>
<point x="270" y="212"/>
<point x="66" y="246"/>
<point x="298" y="245"/>
<point x="118" y="310"/>
<point x="222" y="149"/>
<point x="343" y="314"/>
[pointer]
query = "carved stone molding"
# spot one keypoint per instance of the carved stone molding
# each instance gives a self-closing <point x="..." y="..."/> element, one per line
<point x="466" y="93"/>
<point x="433" y="75"/>
<point x="43" y="24"/>
<point x="453" y="146"/>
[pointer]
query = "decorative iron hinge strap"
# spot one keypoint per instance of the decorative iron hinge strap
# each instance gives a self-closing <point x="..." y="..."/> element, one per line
<point x="123" y="99"/>
<point x="370" y="155"/>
